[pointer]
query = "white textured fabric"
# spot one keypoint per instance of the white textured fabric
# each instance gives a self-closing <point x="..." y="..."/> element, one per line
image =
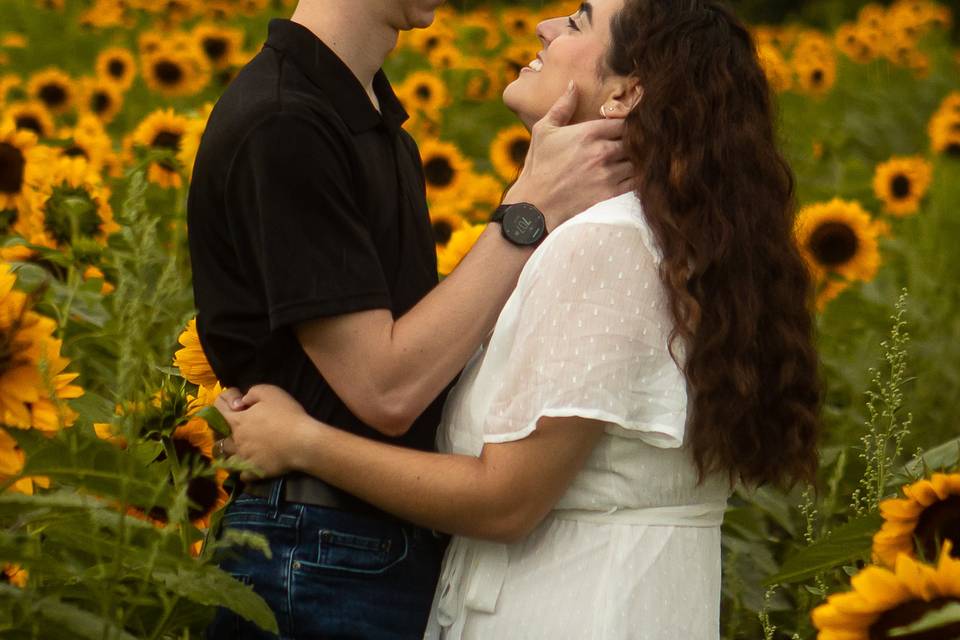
<point x="632" y="550"/>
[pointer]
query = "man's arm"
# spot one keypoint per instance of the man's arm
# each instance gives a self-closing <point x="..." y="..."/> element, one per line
<point x="388" y="371"/>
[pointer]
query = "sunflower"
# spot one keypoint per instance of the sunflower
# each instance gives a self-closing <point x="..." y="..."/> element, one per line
<point x="91" y="144"/>
<point x="944" y="130"/>
<point x="459" y="246"/>
<point x="508" y="151"/>
<point x="8" y="82"/>
<point x="107" y="431"/>
<point x="219" y="44"/>
<point x="176" y="72"/>
<point x="816" y="75"/>
<point x="482" y="25"/>
<point x="851" y="41"/>
<point x="426" y="40"/>
<point x="920" y="522"/>
<point x="193" y="443"/>
<point x="14" y="574"/>
<point x="424" y="91"/>
<point x="901" y="184"/>
<point x="882" y="600"/>
<point x="15" y="157"/>
<point x="518" y="23"/>
<point x="32" y="378"/>
<point x="106" y="14"/>
<point x="838" y="237"/>
<point x="445" y="56"/>
<point x="775" y="67"/>
<point x="13" y="40"/>
<point x="31" y="116"/>
<point x="12" y="459"/>
<point x="117" y="66"/>
<point x="162" y="130"/>
<point x="53" y="88"/>
<point x="100" y="98"/>
<point x="191" y="360"/>
<point x="484" y="193"/>
<point x="484" y="83"/>
<point x="518" y="55"/>
<point x="445" y="221"/>
<point x="72" y="205"/>
<point x="445" y="168"/>
<point x="190" y="142"/>
<point x="205" y="397"/>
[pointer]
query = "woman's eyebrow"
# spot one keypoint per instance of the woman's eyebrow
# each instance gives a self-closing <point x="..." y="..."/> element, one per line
<point x="587" y="9"/>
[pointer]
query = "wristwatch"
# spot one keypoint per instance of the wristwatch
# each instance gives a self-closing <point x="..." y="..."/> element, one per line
<point x="522" y="223"/>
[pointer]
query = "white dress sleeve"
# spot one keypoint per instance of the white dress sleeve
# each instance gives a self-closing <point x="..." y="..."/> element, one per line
<point x="591" y="340"/>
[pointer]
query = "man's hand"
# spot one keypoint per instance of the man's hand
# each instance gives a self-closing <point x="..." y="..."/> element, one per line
<point x="267" y="429"/>
<point x="569" y="168"/>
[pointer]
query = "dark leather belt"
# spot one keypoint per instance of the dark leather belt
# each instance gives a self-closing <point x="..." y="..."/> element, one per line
<point x="303" y="489"/>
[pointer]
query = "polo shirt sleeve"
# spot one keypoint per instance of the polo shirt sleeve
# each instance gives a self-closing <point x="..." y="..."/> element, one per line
<point x="291" y="192"/>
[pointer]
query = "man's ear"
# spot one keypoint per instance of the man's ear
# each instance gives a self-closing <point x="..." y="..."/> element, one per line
<point x="624" y="94"/>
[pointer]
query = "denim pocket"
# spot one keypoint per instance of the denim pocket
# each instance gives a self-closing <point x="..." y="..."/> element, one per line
<point x="351" y="552"/>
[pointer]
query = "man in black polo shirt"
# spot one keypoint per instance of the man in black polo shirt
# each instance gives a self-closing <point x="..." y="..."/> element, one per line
<point x="315" y="270"/>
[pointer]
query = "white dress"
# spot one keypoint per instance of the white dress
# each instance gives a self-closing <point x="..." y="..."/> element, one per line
<point x="632" y="550"/>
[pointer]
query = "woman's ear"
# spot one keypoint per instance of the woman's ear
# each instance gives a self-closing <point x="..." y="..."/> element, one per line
<point x="623" y="95"/>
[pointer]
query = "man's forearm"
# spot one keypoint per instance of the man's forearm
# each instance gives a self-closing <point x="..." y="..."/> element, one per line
<point x="432" y="342"/>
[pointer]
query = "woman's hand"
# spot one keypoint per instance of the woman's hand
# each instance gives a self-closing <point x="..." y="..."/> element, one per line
<point x="266" y="426"/>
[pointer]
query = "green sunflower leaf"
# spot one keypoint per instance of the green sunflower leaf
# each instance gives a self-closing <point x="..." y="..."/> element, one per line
<point x="215" y="419"/>
<point x="847" y="543"/>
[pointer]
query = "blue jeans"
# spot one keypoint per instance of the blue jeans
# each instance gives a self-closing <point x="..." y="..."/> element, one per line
<point x="333" y="574"/>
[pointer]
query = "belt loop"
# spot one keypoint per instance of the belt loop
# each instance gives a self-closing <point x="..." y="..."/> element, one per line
<point x="276" y="495"/>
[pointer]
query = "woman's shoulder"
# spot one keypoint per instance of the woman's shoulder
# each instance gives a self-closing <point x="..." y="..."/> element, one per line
<point x="617" y="224"/>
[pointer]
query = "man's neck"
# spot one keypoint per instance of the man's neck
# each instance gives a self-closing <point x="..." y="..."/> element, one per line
<point x="360" y="41"/>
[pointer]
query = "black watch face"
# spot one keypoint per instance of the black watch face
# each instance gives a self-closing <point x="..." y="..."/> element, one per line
<point x="523" y="224"/>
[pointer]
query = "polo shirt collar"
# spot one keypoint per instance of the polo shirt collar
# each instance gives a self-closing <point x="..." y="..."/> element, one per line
<point x="334" y="78"/>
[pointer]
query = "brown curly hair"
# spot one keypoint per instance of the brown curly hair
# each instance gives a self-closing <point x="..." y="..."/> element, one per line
<point x="719" y="197"/>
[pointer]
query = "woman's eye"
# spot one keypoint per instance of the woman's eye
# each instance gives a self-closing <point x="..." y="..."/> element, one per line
<point x="572" y="24"/>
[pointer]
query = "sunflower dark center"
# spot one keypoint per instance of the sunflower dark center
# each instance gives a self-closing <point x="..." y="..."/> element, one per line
<point x="12" y="164"/>
<point x="953" y="149"/>
<point x="910" y="612"/>
<point x="518" y="151"/>
<point x="100" y="101"/>
<point x="53" y="95"/>
<point x="833" y="244"/>
<point x="520" y="24"/>
<point x="215" y="48"/>
<point x="76" y="152"/>
<point x="817" y="76"/>
<point x="8" y="217"/>
<point x="12" y="351"/>
<point x="939" y="522"/>
<point x="900" y="186"/>
<point x="202" y="490"/>
<point x="431" y="43"/>
<point x="166" y="140"/>
<point x="117" y="68"/>
<point x="424" y="92"/>
<point x="442" y="230"/>
<point x="168" y="72"/>
<point x="70" y="214"/>
<point x="439" y="172"/>
<point x="29" y="123"/>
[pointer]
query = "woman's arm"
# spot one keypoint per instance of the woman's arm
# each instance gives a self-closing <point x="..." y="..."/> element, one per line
<point x="502" y="495"/>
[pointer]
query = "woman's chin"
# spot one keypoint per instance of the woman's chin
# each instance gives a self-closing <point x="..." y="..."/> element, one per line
<point x="513" y="99"/>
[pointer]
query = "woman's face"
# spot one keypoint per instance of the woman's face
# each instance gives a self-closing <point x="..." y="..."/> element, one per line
<point x="573" y="49"/>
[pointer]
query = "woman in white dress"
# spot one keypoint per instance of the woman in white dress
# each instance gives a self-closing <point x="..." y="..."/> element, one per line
<point x="656" y="350"/>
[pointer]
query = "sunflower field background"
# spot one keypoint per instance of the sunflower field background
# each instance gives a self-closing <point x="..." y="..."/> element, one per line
<point x="110" y="490"/>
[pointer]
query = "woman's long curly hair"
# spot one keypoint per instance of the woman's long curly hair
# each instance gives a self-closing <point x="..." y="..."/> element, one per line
<point x="719" y="197"/>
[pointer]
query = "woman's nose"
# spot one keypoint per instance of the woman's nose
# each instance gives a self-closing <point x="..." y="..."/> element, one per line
<point x="548" y="30"/>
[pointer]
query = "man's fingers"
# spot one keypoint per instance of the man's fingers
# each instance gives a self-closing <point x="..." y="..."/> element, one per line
<point x="563" y="109"/>
<point x="233" y="397"/>
<point x="222" y="405"/>
<point x="227" y="447"/>
<point x="602" y="129"/>
<point x="254" y="395"/>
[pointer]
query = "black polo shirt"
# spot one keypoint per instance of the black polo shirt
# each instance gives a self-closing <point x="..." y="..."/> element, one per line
<point x="305" y="202"/>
